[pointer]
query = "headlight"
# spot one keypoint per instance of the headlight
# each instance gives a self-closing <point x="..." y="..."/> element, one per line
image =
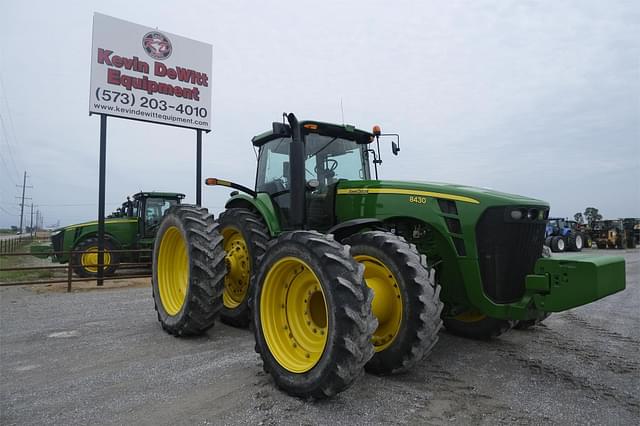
<point x="528" y="213"/>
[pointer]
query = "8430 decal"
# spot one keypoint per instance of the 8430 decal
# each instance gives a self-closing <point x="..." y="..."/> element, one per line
<point x="417" y="200"/>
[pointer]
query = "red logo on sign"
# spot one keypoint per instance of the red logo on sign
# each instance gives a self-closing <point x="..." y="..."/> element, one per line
<point x="157" y="45"/>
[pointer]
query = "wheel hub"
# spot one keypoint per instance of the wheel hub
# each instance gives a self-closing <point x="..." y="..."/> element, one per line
<point x="387" y="301"/>
<point x="293" y="314"/>
<point x="173" y="270"/>
<point x="236" y="282"/>
<point x="89" y="259"/>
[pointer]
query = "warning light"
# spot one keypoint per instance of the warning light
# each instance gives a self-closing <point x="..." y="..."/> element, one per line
<point x="311" y="126"/>
<point x="211" y="181"/>
<point x="376" y="130"/>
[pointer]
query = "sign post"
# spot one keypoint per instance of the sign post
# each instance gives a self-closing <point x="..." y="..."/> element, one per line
<point x="142" y="73"/>
<point x="101" y="196"/>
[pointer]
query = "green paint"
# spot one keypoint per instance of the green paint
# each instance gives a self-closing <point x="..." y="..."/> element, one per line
<point x="125" y="232"/>
<point x="413" y="210"/>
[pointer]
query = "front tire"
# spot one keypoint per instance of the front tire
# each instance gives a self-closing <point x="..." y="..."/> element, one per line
<point x="245" y="240"/>
<point x="406" y="300"/>
<point x="311" y="315"/>
<point x="188" y="271"/>
<point x="558" y="244"/>
<point x="85" y="261"/>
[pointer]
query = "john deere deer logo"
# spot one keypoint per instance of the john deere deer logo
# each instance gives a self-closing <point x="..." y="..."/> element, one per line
<point x="157" y="45"/>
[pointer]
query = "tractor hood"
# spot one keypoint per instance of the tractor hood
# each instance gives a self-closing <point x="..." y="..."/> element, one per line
<point x="463" y="193"/>
<point x="95" y="223"/>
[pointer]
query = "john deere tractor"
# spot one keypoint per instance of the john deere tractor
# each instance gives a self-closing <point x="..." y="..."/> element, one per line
<point x="338" y="271"/>
<point x="132" y="226"/>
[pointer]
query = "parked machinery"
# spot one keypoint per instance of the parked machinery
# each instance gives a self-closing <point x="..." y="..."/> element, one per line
<point x="131" y="226"/>
<point x="564" y="235"/>
<point x="338" y="271"/>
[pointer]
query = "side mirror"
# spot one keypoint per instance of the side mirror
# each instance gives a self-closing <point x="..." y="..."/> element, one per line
<point x="394" y="148"/>
<point x="281" y="129"/>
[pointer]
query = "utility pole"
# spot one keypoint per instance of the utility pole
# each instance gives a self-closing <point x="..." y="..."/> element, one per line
<point x="24" y="186"/>
<point x="31" y="224"/>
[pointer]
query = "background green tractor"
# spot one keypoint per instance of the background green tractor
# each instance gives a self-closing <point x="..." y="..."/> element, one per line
<point x="338" y="271"/>
<point x="132" y="226"/>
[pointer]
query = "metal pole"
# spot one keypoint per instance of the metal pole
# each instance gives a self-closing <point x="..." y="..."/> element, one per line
<point x="24" y="186"/>
<point x="69" y="278"/>
<point x="199" y="167"/>
<point x="31" y="224"/>
<point x="102" y="172"/>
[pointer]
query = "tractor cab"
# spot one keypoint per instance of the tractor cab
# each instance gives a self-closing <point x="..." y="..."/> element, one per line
<point x="149" y="208"/>
<point x="301" y="163"/>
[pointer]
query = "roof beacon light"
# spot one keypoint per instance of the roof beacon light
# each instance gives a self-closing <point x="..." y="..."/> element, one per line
<point x="377" y="130"/>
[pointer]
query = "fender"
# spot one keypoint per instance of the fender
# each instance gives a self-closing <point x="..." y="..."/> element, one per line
<point x="350" y="227"/>
<point x="262" y="204"/>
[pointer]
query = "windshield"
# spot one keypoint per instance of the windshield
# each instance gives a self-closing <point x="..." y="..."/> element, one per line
<point x="156" y="208"/>
<point x="330" y="158"/>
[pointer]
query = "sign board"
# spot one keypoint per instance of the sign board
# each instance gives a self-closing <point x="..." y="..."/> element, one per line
<point x="146" y="74"/>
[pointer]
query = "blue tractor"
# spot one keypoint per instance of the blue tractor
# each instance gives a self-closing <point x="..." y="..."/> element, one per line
<point x="563" y="235"/>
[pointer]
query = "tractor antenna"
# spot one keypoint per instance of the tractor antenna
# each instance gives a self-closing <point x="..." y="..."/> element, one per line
<point x="342" y="111"/>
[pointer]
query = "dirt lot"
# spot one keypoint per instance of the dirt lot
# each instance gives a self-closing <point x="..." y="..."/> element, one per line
<point x="101" y="357"/>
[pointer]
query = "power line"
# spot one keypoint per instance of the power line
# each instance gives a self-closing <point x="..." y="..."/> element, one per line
<point x="7" y="212"/>
<point x="5" y="129"/>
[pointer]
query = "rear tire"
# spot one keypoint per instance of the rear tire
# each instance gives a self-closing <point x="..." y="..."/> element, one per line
<point x="474" y="325"/>
<point x="311" y="315"/>
<point x="575" y="242"/>
<point x="245" y="240"/>
<point x="406" y="300"/>
<point x="558" y="244"/>
<point x="188" y="271"/>
<point x="88" y="255"/>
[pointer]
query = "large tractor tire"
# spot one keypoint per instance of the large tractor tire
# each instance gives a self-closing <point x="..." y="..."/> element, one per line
<point x="245" y="240"/>
<point x="588" y="242"/>
<point x="558" y="244"/>
<point x="475" y="325"/>
<point x="311" y="315"/>
<point x="188" y="271"/>
<point x="575" y="242"/>
<point x="406" y="300"/>
<point x="85" y="260"/>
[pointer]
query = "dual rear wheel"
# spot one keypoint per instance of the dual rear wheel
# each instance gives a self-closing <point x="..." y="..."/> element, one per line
<point x="320" y="311"/>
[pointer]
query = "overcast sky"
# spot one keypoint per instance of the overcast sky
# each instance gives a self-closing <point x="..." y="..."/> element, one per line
<point x="538" y="98"/>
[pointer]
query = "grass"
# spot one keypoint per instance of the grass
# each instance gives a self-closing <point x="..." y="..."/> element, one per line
<point x="24" y="262"/>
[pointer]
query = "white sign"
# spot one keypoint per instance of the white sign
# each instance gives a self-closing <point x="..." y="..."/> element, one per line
<point x="146" y="74"/>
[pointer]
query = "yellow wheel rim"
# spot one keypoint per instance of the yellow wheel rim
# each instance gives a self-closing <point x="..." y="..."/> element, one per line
<point x="173" y="270"/>
<point x="236" y="282"/>
<point x="470" y="316"/>
<point x="387" y="301"/>
<point x="293" y="315"/>
<point x="89" y="259"/>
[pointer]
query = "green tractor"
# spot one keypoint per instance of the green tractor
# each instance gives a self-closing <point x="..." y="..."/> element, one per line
<point x="338" y="271"/>
<point x="132" y="226"/>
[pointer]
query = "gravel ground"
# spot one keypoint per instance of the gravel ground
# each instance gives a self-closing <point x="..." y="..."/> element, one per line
<point x="100" y="357"/>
